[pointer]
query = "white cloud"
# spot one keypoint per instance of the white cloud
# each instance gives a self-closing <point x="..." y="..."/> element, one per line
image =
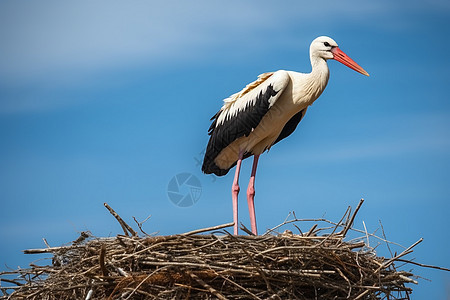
<point x="51" y="43"/>
<point x="38" y="39"/>
<point x="43" y="38"/>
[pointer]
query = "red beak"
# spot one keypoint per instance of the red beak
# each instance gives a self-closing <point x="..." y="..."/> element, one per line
<point x="344" y="59"/>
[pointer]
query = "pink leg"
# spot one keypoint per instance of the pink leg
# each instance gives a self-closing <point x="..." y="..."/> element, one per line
<point x="251" y="195"/>
<point x="235" y="191"/>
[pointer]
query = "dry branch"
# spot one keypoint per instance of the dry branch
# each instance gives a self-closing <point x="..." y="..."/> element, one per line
<point x="125" y="227"/>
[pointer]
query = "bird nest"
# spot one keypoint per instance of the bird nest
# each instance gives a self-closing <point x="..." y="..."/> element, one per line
<point x="212" y="264"/>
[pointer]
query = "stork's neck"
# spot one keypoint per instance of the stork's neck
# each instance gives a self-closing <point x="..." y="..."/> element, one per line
<point x="318" y="78"/>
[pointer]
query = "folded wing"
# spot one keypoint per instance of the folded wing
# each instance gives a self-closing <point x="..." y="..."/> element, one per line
<point x="240" y="114"/>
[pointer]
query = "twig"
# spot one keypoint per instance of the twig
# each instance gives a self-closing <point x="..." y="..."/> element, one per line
<point x="367" y="235"/>
<point x="406" y="251"/>
<point x="125" y="227"/>
<point x="246" y="230"/>
<point x="362" y="294"/>
<point x="122" y="272"/>
<point x="208" y="229"/>
<point x="45" y="250"/>
<point x="140" y="283"/>
<point x="101" y="260"/>
<point x="384" y="237"/>
<point x="11" y="281"/>
<point x="45" y="242"/>
<point x="206" y="286"/>
<point x="83" y="236"/>
<point x="241" y="287"/>
<point x="311" y="231"/>
<point x="423" y="265"/>
<point x="352" y="219"/>
<point x="348" y="281"/>
<point x="139" y="224"/>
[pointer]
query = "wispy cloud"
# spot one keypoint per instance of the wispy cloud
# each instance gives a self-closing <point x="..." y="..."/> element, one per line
<point x="39" y="39"/>
<point x="54" y="46"/>
<point x="68" y="44"/>
<point x="42" y="39"/>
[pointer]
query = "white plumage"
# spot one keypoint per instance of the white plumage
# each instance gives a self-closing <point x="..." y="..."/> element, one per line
<point x="247" y="97"/>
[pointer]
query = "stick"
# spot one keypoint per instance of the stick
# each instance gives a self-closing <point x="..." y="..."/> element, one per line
<point x="45" y="242"/>
<point x="139" y="224"/>
<point x="45" y="250"/>
<point x="83" y="236"/>
<point x="125" y="227"/>
<point x="206" y="286"/>
<point x="101" y="260"/>
<point x="423" y="265"/>
<point x="406" y="251"/>
<point x="241" y="287"/>
<point x="140" y="283"/>
<point x="246" y="230"/>
<point x="311" y="231"/>
<point x="208" y="229"/>
<point x="349" y="224"/>
<point x="362" y="294"/>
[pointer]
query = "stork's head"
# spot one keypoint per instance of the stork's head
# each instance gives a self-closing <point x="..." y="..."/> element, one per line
<point x="326" y="48"/>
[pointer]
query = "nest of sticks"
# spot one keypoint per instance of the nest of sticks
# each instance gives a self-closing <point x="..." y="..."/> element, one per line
<point x="320" y="263"/>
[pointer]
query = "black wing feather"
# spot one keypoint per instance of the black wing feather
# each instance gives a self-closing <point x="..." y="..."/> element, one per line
<point x="235" y="127"/>
<point x="288" y="129"/>
<point x="291" y="125"/>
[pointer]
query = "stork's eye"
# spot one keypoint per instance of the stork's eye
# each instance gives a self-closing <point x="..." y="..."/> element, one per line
<point x="326" y="44"/>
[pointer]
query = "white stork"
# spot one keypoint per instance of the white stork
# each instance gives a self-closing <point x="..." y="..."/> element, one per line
<point x="265" y="112"/>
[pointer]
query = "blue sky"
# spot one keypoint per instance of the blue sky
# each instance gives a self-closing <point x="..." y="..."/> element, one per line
<point x="107" y="101"/>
